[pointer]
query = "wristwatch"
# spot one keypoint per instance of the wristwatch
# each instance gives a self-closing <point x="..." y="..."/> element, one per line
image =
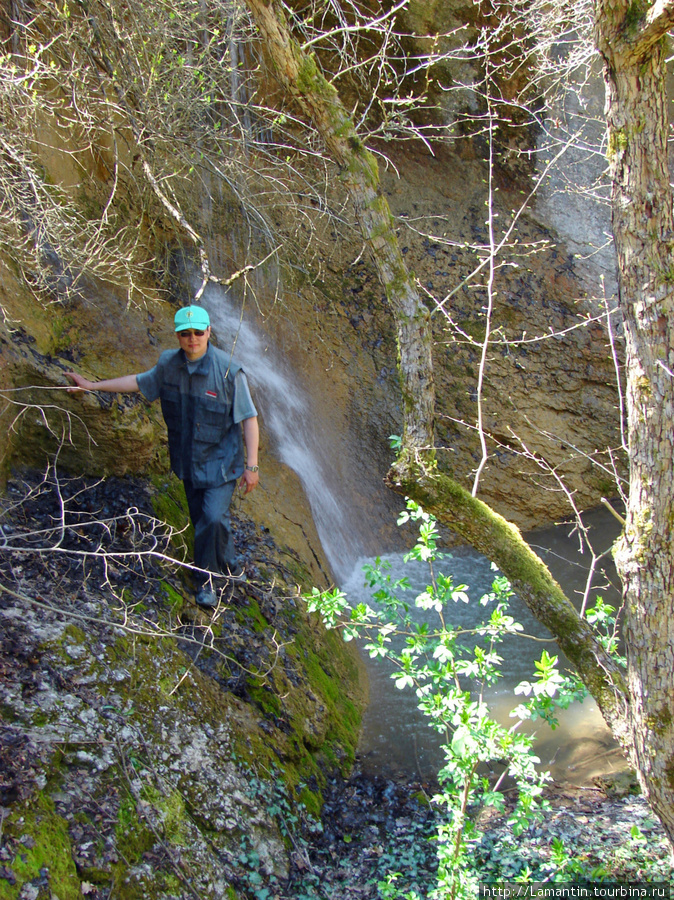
<point x="253" y="468"/>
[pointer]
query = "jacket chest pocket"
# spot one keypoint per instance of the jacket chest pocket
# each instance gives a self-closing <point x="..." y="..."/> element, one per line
<point x="211" y="420"/>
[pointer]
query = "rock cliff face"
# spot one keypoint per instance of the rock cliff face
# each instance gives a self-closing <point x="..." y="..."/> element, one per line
<point x="549" y="401"/>
<point x="555" y="395"/>
<point x="553" y="389"/>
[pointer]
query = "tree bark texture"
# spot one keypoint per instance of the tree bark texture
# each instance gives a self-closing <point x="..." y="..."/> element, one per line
<point x="630" y="38"/>
<point x="300" y="75"/>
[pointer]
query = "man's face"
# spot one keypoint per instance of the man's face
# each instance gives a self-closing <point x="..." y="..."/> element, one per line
<point x="194" y="342"/>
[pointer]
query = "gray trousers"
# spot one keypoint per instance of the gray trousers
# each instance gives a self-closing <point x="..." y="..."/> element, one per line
<point x="209" y="511"/>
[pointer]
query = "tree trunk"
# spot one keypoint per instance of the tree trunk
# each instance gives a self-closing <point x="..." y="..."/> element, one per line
<point x="318" y="99"/>
<point x="634" y="69"/>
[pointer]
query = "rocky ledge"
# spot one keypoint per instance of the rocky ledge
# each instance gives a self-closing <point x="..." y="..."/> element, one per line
<point x="148" y="749"/>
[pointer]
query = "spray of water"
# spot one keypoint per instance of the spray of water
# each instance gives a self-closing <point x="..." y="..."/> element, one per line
<point x="293" y="424"/>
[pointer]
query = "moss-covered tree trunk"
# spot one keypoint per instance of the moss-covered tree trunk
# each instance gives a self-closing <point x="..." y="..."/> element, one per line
<point x="300" y="76"/>
<point x="631" y="40"/>
<point x="501" y="542"/>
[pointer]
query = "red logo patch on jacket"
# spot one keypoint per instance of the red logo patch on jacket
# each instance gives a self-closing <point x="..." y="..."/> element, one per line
<point x="211" y="394"/>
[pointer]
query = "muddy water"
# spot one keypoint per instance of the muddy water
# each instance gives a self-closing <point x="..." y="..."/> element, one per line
<point x="396" y="738"/>
<point x="395" y="735"/>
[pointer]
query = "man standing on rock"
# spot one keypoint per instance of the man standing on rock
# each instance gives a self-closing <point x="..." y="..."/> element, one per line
<point x="206" y="405"/>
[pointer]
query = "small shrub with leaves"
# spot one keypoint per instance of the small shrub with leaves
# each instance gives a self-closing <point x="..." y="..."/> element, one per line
<point x="450" y="668"/>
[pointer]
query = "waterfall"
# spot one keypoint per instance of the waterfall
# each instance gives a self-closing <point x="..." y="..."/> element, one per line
<point x="290" y="419"/>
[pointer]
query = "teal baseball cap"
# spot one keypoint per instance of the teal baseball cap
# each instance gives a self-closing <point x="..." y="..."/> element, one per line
<point x="191" y="317"/>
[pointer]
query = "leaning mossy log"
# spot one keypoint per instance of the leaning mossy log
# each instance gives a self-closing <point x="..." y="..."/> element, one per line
<point x="501" y="542"/>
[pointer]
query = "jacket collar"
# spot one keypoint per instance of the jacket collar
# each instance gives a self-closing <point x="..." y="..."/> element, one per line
<point x="203" y="363"/>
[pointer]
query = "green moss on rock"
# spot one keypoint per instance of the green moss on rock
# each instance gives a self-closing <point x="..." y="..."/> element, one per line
<point x="41" y="849"/>
<point x="170" y="505"/>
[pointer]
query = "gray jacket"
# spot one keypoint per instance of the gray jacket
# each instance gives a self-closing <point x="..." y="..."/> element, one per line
<point x="202" y="411"/>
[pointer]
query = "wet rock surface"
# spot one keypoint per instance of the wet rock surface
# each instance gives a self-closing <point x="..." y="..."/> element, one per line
<point x="138" y="756"/>
<point x="145" y="747"/>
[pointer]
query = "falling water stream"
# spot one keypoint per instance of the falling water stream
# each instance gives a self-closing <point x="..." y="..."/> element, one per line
<point x="395" y="736"/>
<point x="290" y="417"/>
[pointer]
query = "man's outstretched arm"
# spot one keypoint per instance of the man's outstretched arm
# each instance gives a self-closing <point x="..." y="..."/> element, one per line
<point x="125" y="384"/>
